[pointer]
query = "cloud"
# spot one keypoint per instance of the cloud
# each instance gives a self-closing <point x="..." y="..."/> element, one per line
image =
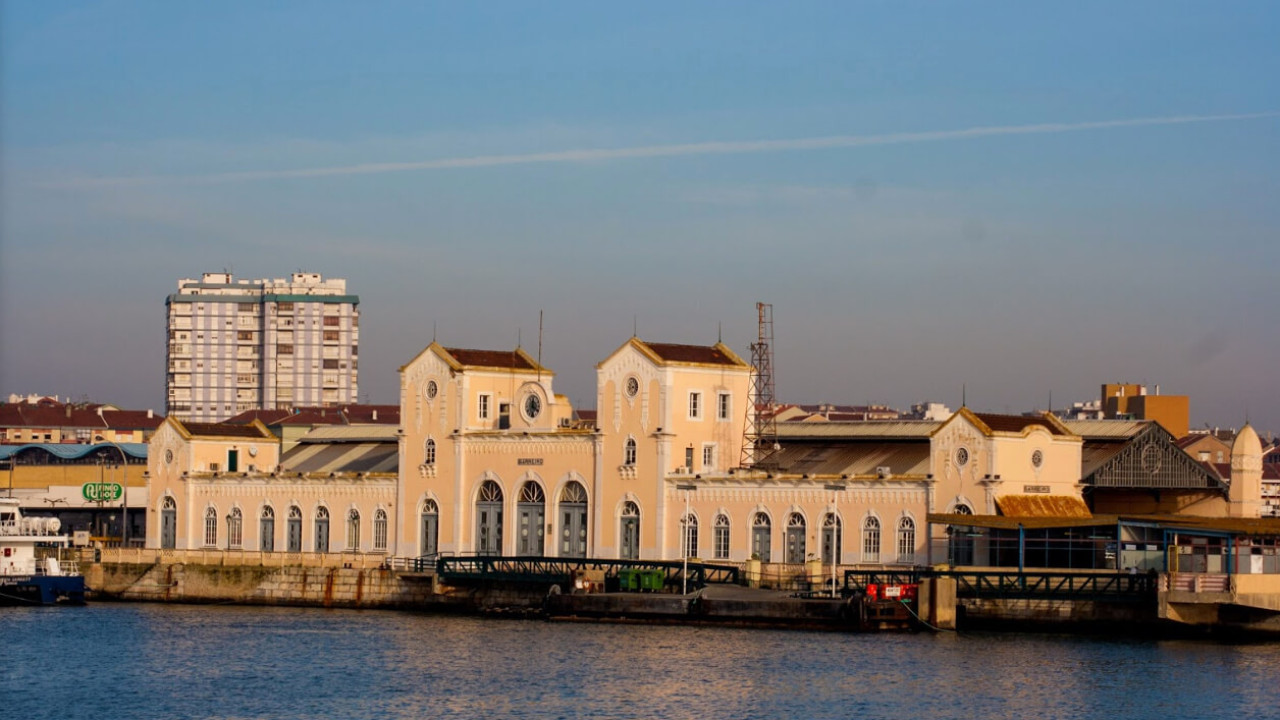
<point x="650" y="151"/>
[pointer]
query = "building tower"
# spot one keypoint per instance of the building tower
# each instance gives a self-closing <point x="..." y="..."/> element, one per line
<point x="760" y="438"/>
<point x="237" y="345"/>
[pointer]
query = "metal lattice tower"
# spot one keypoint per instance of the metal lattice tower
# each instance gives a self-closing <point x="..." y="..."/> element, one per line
<point x="760" y="435"/>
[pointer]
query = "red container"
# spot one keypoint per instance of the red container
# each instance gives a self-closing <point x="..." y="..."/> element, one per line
<point x="873" y="592"/>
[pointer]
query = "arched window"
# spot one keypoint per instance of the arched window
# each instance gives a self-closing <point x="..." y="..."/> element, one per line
<point x="906" y="540"/>
<point x="689" y="535"/>
<point x="489" y="518"/>
<point x="169" y="524"/>
<point x="721" y="538"/>
<point x="293" y="530"/>
<point x="573" y="520"/>
<point x="322" y="529"/>
<point x="629" y="457"/>
<point x="353" y="529"/>
<point x="428" y="528"/>
<point x="795" y="538"/>
<point x="211" y="527"/>
<point x="531" y="520"/>
<point x="832" y="538"/>
<point x="429" y="456"/>
<point x="267" y="529"/>
<point x="235" y="528"/>
<point x="630" y="531"/>
<point x="380" y="530"/>
<point x="761" y="537"/>
<point x="871" y="540"/>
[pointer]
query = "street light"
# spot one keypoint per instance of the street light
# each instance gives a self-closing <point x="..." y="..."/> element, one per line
<point x="684" y="574"/>
<point x="836" y="531"/>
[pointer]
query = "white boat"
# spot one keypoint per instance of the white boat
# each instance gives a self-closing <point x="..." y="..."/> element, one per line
<point x="35" y="563"/>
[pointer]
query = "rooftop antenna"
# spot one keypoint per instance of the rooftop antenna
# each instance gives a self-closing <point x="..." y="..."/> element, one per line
<point x="635" y="326"/>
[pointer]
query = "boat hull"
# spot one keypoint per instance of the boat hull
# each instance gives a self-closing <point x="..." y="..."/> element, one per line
<point x="41" y="589"/>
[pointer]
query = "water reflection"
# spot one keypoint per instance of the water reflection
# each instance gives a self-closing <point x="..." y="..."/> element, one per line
<point x="147" y="661"/>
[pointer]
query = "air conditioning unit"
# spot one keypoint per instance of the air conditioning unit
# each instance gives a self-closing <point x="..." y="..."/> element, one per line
<point x="883" y="471"/>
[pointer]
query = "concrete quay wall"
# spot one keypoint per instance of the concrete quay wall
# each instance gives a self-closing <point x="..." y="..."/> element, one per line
<point x="1017" y="614"/>
<point x="257" y="585"/>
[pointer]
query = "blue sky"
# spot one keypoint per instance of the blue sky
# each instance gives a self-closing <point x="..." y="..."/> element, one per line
<point x="667" y="165"/>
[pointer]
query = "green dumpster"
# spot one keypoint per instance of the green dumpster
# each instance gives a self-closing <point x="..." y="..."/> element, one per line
<point x="628" y="580"/>
<point x="651" y="580"/>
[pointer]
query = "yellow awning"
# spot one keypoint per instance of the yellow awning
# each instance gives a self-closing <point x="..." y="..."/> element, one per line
<point x="1042" y="506"/>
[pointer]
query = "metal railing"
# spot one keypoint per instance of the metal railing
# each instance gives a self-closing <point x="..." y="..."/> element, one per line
<point x="556" y="569"/>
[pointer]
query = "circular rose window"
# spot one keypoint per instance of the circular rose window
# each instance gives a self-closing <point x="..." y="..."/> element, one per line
<point x="962" y="457"/>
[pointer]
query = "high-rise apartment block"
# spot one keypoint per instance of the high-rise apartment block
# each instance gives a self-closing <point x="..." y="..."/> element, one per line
<point x="236" y="345"/>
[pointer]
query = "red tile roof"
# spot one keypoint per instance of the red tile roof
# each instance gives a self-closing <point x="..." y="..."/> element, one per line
<point x="1016" y="423"/>
<point x="504" y="359"/>
<point x="709" y="355"/>
<point x="222" y="430"/>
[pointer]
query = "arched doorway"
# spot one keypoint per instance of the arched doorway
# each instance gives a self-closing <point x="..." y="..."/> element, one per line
<point x="573" y="520"/>
<point x="169" y="524"/>
<point x="428" y="528"/>
<point x="489" y="519"/>
<point x="960" y="538"/>
<point x="531" y="517"/>
<point x="322" y="529"/>
<point x="762" y="537"/>
<point x="267" y="529"/>
<point x="293" y="529"/>
<point x="832" y="538"/>
<point x="795" y="538"/>
<point x="629" y="532"/>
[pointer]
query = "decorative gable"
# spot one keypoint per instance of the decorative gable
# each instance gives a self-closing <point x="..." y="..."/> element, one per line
<point x="1152" y="459"/>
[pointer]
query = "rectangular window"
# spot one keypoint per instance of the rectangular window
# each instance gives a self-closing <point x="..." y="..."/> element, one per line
<point x="723" y="406"/>
<point x="246" y="307"/>
<point x="331" y="335"/>
<point x="284" y="349"/>
<point x="244" y="335"/>
<point x="331" y="321"/>
<point x="482" y="408"/>
<point x="355" y="350"/>
<point x="708" y="457"/>
<point x="695" y="405"/>
<point x="284" y="307"/>
<point x="330" y="364"/>
<point x="688" y="458"/>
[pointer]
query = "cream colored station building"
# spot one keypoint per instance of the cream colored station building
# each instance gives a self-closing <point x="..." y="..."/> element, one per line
<point x="489" y="459"/>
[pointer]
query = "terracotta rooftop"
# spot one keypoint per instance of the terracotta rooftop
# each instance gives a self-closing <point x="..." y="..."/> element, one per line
<point x="1016" y="423"/>
<point x="504" y="359"/>
<point x="221" y="430"/>
<point x="709" y="355"/>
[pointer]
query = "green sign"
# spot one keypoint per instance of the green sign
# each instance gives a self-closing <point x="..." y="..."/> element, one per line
<point x="101" y="492"/>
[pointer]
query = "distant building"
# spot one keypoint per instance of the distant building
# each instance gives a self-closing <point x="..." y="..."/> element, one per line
<point x="1121" y="401"/>
<point x="260" y="344"/>
<point x="38" y="419"/>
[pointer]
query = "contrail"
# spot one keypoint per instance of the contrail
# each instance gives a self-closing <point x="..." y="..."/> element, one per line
<point x="659" y="151"/>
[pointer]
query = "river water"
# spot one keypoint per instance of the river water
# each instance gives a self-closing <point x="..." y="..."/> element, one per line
<point x="171" y="661"/>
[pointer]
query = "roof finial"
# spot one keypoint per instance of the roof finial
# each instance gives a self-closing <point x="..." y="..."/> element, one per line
<point x="433" y="331"/>
<point x="719" y="331"/>
<point x="635" y="326"/>
<point x="518" y="343"/>
<point x="963" y="398"/>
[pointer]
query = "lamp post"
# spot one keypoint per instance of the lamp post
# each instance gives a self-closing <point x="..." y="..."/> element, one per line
<point x="837" y="536"/>
<point x="684" y="544"/>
